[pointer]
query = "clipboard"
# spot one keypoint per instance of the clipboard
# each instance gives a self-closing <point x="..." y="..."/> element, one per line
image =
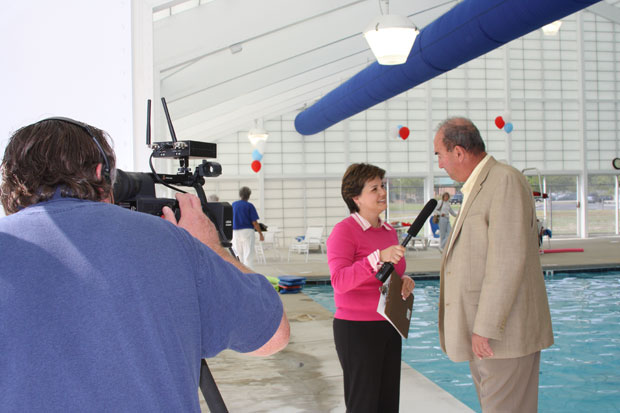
<point x="392" y="307"/>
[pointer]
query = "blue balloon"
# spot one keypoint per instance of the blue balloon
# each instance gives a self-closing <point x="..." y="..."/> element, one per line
<point x="508" y="127"/>
<point x="256" y="155"/>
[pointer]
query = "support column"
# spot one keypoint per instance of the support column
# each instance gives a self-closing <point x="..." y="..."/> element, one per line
<point x="582" y="185"/>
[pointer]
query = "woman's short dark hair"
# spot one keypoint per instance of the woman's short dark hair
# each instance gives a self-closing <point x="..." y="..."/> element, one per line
<point x="244" y="193"/>
<point x="354" y="179"/>
<point x="50" y="154"/>
<point x="461" y="132"/>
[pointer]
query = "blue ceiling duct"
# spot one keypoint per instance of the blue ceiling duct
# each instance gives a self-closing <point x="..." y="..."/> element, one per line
<point x="470" y="29"/>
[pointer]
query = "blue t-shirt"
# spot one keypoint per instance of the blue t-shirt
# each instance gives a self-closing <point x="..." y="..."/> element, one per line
<point x="106" y="309"/>
<point x="244" y="214"/>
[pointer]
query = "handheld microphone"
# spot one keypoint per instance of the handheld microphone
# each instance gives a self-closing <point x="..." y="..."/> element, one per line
<point x="388" y="267"/>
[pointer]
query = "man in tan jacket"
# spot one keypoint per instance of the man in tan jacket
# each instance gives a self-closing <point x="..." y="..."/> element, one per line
<point x="493" y="308"/>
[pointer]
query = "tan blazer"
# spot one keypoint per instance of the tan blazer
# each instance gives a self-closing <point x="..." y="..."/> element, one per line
<point x="491" y="278"/>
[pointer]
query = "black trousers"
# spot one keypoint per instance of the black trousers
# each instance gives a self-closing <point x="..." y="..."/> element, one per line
<point x="369" y="353"/>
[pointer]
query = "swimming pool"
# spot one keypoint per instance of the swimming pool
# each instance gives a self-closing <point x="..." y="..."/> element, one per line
<point x="580" y="372"/>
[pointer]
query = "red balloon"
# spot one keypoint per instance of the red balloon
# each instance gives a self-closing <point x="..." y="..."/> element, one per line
<point x="404" y="132"/>
<point x="499" y="122"/>
<point x="256" y="166"/>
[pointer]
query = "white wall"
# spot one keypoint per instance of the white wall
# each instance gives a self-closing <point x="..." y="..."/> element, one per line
<point x="68" y="58"/>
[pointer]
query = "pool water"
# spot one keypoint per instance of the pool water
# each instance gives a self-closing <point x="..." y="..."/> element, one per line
<point x="580" y="372"/>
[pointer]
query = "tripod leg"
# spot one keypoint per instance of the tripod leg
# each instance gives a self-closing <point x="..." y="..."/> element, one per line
<point x="210" y="391"/>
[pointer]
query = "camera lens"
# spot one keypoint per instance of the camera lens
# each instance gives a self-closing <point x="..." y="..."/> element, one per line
<point x="130" y="184"/>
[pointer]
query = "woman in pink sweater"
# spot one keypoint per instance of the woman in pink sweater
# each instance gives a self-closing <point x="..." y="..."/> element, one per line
<point x="368" y="347"/>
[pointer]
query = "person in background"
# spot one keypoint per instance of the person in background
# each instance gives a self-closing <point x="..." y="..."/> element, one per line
<point x="444" y="210"/>
<point x="245" y="222"/>
<point x="107" y="309"/>
<point x="368" y="347"/>
<point x="213" y="198"/>
<point x="493" y="307"/>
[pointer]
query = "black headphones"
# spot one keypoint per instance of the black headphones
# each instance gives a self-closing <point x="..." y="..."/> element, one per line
<point x="105" y="171"/>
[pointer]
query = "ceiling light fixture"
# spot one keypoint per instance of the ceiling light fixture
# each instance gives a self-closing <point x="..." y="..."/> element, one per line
<point x="257" y="134"/>
<point x="391" y="37"/>
<point x="552" y="29"/>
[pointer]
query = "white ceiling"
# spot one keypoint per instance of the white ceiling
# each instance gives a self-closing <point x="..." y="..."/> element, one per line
<point x="292" y="53"/>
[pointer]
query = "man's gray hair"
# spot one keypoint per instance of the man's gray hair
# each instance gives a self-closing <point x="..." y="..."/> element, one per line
<point x="461" y="132"/>
<point x="244" y="193"/>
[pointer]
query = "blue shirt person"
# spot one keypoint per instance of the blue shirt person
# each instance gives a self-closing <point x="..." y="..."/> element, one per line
<point x="245" y="222"/>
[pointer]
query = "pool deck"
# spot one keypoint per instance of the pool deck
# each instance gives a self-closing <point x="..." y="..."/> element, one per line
<point x="306" y="375"/>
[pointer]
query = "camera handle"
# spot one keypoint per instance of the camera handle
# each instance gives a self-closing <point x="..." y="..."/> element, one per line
<point x="203" y="201"/>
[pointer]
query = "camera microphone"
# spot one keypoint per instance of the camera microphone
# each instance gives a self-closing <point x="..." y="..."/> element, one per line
<point x="388" y="267"/>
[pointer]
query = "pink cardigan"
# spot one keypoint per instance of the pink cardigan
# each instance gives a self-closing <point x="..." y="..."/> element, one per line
<point x="352" y="256"/>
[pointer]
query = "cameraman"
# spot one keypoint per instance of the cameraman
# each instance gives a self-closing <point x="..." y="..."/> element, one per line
<point x="103" y="308"/>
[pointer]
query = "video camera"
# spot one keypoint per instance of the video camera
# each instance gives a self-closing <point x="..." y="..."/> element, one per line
<point x="136" y="190"/>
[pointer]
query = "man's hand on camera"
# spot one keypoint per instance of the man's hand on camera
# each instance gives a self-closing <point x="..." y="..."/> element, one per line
<point x="201" y="227"/>
<point x="194" y="220"/>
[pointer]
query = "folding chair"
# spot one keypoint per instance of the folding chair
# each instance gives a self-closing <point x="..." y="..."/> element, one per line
<point x="312" y="240"/>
